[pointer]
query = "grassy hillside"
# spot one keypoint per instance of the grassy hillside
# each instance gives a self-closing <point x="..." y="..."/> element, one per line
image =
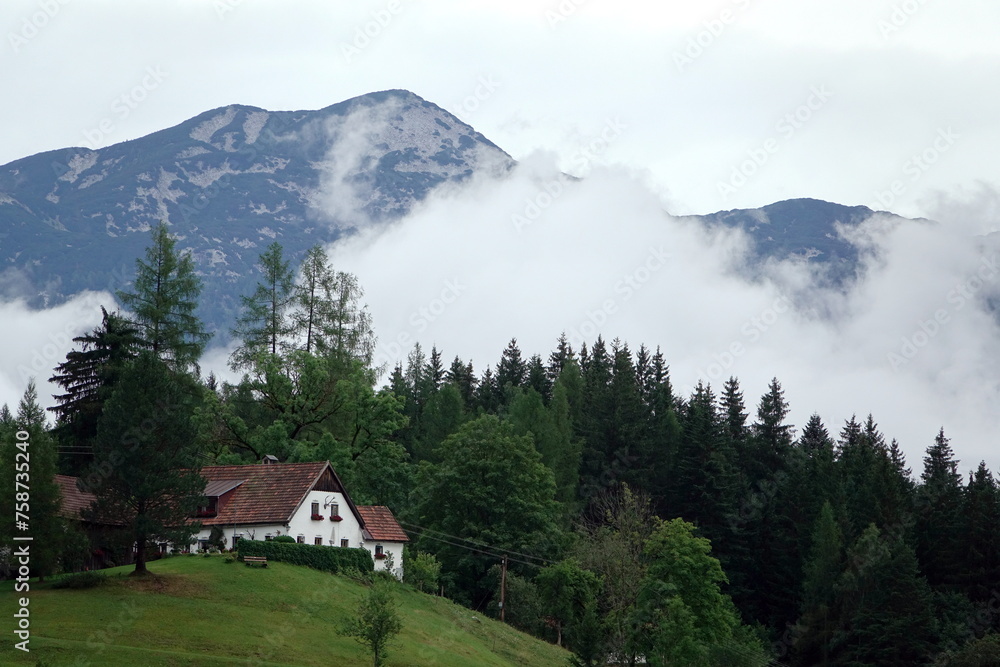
<point x="203" y="611"/>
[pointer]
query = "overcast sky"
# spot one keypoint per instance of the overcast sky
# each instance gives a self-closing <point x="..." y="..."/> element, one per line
<point x="691" y="107"/>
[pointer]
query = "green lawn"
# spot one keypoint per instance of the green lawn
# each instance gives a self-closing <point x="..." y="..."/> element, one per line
<point x="203" y="611"/>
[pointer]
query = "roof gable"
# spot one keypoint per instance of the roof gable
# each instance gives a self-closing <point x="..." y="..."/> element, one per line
<point x="380" y="525"/>
<point x="73" y="501"/>
<point x="271" y="493"/>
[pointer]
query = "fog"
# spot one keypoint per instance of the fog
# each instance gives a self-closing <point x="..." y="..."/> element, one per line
<point x="536" y="254"/>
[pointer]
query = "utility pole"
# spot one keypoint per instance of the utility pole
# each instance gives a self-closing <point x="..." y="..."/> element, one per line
<point x="503" y="588"/>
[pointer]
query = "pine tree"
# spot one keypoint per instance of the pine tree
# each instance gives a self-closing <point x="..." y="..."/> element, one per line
<point x="164" y="301"/>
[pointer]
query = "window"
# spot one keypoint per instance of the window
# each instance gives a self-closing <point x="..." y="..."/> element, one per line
<point x="345" y="543"/>
<point x="301" y="539"/>
<point x="268" y="537"/>
<point x="315" y="507"/>
<point x="334" y="510"/>
<point x="236" y="539"/>
<point x="378" y="550"/>
<point x="318" y="541"/>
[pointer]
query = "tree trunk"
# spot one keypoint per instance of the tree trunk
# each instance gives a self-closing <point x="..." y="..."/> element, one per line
<point x="140" y="558"/>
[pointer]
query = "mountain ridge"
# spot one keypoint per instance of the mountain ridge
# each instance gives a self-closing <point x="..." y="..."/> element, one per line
<point x="232" y="179"/>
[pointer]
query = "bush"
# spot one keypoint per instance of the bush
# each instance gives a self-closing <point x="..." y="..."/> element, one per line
<point x="228" y="560"/>
<point x="422" y="571"/>
<point x="81" y="580"/>
<point x="328" y="559"/>
<point x="284" y="539"/>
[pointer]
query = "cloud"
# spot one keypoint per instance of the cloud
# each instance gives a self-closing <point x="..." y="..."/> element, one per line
<point x="35" y="341"/>
<point x="536" y="254"/>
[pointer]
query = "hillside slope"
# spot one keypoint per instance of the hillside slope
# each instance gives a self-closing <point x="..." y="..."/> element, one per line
<point x="203" y="611"/>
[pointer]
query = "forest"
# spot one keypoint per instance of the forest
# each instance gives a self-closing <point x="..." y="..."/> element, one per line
<point x="628" y="522"/>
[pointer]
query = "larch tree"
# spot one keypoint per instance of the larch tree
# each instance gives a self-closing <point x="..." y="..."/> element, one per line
<point x="163" y="302"/>
<point x="264" y="325"/>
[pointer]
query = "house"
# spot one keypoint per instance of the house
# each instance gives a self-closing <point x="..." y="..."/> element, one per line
<point x="304" y="500"/>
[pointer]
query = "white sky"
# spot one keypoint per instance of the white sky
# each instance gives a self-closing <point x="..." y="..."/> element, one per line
<point x="838" y="101"/>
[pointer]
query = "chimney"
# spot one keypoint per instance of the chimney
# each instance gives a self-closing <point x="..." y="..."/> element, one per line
<point x="268" y="459"/>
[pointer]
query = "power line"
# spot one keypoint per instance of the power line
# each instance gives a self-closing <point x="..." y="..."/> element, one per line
<point x="465" y="539"/>
<point x="482" y="551"/>
<point x="497" y="552"/>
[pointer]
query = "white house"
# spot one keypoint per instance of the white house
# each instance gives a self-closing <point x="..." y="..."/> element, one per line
<point x="304" y="500"/>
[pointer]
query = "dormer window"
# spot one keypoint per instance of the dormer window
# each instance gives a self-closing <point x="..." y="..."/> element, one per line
<point x="208" y="507"/>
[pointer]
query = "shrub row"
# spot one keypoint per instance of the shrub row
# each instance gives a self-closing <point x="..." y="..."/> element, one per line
<point x="90" y="579"/>
<point x="328" y="559"/>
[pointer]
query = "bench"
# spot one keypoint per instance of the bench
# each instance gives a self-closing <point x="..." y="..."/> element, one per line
<point x="259" y="560"/>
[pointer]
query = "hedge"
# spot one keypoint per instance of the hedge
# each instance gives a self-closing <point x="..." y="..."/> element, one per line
<point x="328" y="559"/>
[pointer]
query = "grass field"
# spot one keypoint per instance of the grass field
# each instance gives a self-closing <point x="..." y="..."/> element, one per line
<point x="203" y="611"/>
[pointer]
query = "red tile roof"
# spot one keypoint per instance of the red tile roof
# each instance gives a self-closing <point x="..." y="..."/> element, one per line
<point x="269" y="493"/>
<point x="73" y="499"/>
<point x="380" y="524"/>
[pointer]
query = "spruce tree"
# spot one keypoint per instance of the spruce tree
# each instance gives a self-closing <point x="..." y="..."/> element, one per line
<point x="31" y="489"/>
<point x="817" y="624"/>
<point x="938" y="515"/>
<point x="511" y="371"/>
<point x="88" y="376"/>
<point x="147" y="458"/>
<point x="980" y="541"/>
<point x="885" y="605"/>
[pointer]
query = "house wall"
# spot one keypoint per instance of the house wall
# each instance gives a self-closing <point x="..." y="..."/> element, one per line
<point x="394" y="548"/>
<point x="332" y="532"/>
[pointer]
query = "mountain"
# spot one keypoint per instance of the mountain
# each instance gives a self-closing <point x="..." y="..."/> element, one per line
<point x="232" y="180"/>
<point x="806" y="229"/>
<point x="229" y="182"/>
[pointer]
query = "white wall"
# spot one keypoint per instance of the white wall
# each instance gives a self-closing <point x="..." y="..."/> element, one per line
<point x="394" y="548"/>
<point x="332" y="532"/>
